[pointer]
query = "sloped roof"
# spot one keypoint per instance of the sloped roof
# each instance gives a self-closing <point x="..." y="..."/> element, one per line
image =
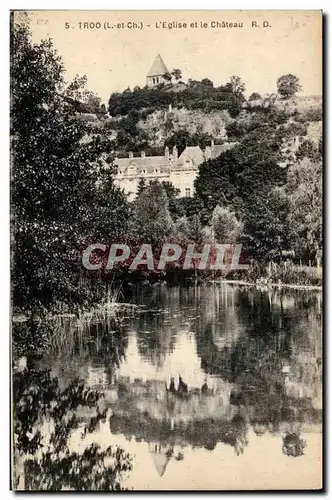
<point x="149" y="162"/>
<point x="193" y="153"/>
<point x="158" y="67"/>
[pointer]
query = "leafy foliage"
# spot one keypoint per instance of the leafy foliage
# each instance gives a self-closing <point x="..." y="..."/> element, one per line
<point x="195" y="95"/>
<point x="225" y="228"/>
<point x="277" y="206"/>
<point x="151" y="220"/>
<point x="288" y="85"/>
<point x="62" y="189"/>
<point x="305" y="190"/>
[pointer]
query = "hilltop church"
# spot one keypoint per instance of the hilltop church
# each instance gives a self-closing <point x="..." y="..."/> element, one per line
<point x="181" y="170"/>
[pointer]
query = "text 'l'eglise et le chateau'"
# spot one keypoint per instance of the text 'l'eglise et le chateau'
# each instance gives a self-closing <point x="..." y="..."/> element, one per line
<point x="197" y="24"/>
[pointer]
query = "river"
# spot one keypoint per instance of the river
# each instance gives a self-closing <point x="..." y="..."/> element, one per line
<point x="211" y="387"/>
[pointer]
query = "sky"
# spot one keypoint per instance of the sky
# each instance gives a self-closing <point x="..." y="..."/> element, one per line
<point x="114" y="58"/>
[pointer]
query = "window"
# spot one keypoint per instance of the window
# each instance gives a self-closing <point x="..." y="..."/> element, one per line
<point x="187" y="192"/>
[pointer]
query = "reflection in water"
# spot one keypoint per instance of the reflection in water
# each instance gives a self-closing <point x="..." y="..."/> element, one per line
<point x="199" y="368"/>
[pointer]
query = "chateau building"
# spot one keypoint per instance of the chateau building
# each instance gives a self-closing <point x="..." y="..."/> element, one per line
<point x="181" y="170"/>
<point x="156" y="74"/>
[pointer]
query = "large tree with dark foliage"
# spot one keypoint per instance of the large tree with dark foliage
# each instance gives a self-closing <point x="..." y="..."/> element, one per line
<point x="242" y="180"/>
<point x="151" y="221"/>
<point x="288" y="85"/>
<point x="60" y="184"/>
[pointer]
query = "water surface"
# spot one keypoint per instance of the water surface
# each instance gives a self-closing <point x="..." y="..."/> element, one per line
<point x="248" y="411"/>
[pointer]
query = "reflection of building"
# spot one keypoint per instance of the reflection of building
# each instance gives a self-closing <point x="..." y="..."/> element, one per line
<point x="161" y="454"/>
<point x="180" y="171"/>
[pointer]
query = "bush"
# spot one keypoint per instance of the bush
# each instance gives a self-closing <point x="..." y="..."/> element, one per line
<point x="312" y="115"/>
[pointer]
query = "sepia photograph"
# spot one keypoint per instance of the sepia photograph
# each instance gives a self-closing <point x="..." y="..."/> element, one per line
<point x="166" y="246"/>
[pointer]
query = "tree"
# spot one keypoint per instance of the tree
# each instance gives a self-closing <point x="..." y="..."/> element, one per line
<point x="237" y="85"/>
<point x="177" y="73"/>
<point x="195" y="229"/>
<point x="170" y="190"/>
<point x="266" y="225"/>
<point x="305" y="190"/>
<point x="241" y="172"/>
<point x="141" y="186"/>
<point x="308" y="149"/>
<point x="288" y="85"/>
<point x="254" y="96"/>
<point x="207" y="83"/>
<point x="175" y="208"/>
<point x="151" y="221"/>
<point x="62" y="190"/>
<point x="242" y="179"/>
<point x="180" y="139"/>
<point x="168" y="77"/>
<point x="180" y="231"/>
<point x="226" y="228"/>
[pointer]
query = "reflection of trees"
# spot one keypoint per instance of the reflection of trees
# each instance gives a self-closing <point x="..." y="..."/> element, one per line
<point x="168" y="309"/>
<point x="293" y="445"/>
<point x="48" y="462"/>
<point x="108" y="346"/>
<point x="155" y="338"/>
<point x="90" y="343"/>
<point x="197" y="433"/>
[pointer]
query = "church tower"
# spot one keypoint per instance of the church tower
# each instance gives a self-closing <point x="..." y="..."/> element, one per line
<point x="156" y="74"/>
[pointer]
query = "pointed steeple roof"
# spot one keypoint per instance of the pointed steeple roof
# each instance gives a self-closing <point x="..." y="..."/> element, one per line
<point x="161" y="454"/>
<point x="158" y="67"/>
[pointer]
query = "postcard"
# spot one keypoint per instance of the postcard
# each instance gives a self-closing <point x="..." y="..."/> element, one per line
<point x="166" y="250"/>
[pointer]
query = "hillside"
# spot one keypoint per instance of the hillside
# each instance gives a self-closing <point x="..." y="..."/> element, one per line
<point x="150" y="119"/>
<point x="162" y="125"/>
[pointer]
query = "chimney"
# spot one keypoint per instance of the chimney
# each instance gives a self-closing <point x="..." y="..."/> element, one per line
<point x="175" y="153"/>
<point x="167" y="153"/>
<point x="131" y="155"/>
<point x="142" y="154"/>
